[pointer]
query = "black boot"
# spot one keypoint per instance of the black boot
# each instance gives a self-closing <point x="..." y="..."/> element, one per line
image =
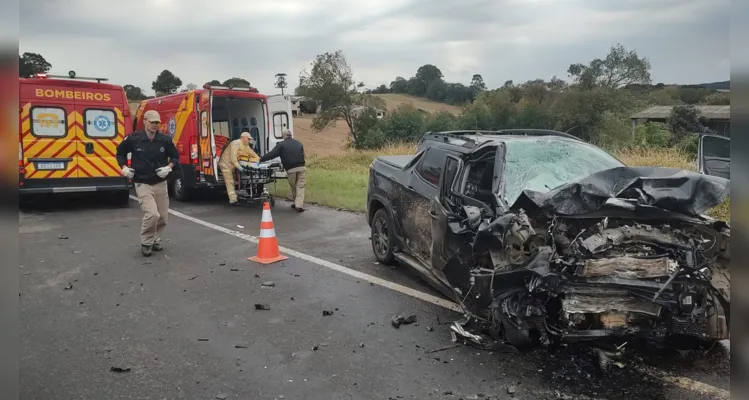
<point x="146" y="250"/>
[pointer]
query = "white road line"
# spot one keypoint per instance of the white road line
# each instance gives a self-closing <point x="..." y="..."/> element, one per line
<point x="683" y="382"/>
<point x="323" y="263"/>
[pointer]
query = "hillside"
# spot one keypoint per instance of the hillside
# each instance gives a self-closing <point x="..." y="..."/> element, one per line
<point x="724" y="85"/>
<point x="392" y="101"/>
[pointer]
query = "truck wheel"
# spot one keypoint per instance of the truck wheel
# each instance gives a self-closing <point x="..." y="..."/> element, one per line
<point x="382" y="237"/>
<point x="122" y="198"/>
<point x="179" y="191"/>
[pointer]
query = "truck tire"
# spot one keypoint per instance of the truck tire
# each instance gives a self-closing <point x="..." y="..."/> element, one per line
<point x="122" y="198"/>
<point x="179" y="191"/>
<point x="382" y="237"/>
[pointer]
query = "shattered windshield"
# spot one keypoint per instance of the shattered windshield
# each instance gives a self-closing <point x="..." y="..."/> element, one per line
<point x="542" y="164"/>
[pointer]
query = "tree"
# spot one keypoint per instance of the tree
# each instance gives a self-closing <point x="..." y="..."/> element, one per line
<point x="134" y="93"/>
<point x="685" y="119"/>
<point x="166" y="83"/>
<point x="477" y="82"/>
<point x="619" y="68"/>
<point x="330" y="82"/>
<point x="236" y="83"/>
<point x="30" y="64"/>
<point x="214" y="82"/>
<point x="281" y="81"/>
<point x="191" y="86"/>
<point x="399" y="85"/>
<point x="428" y="73"/>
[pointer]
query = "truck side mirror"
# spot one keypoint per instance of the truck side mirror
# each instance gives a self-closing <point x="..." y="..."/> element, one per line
<point x="449" y="175"/>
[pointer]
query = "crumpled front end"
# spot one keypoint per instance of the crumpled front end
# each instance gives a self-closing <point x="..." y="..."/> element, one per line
<point x="544" y="277"/>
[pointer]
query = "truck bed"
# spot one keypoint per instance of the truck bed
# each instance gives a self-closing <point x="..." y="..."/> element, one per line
<point x="399" y="162"/>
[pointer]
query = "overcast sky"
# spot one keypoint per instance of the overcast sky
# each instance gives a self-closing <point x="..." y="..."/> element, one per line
<point x="130" y="42"/>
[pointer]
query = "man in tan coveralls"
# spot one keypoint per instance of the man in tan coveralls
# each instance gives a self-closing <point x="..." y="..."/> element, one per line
<point x="238" y="150"/>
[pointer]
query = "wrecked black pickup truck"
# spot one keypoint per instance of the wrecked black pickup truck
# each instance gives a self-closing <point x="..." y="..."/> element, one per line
<point x="547" y="238"/>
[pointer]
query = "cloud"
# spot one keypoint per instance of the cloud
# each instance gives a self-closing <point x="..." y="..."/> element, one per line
<point x="131" y="42"/>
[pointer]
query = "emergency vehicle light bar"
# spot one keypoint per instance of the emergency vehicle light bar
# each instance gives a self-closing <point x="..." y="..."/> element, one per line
<point x="71" y="76"/>
<point x="247" y="89"/>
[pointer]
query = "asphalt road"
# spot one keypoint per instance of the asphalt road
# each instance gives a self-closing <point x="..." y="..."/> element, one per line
<point x="185" y="324"/>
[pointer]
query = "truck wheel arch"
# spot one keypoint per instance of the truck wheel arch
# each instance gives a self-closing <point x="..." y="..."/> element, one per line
<point x="374" y="205"/>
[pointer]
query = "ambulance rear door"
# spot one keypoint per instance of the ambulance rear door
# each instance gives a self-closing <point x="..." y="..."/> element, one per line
<point x="101" y="127"/>
<point x="208" y="159"/>
<point x="280" y="119"/>
<point x="48" y="135"/>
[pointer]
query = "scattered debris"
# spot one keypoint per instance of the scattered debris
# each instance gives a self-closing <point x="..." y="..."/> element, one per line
<point x="235" y="269"/>
<point x="511" y="390"/>
<point x="430" y="329"/>
<point x="259" y="306"/>
<point x="241" y="346"/>
<point x="326" y="313"/>
<point x="63" y="237"/>
<point x="361" y="344"/>
<point x="221" y="264"/>
<point x="257" y="275"/>
<point x="297" y="275"/>
<point x="119" y="370"/>
<point x="203" y="340"/>
<point x="443" y="348"/>
<point x="68" y="286"/>
<point x="315" y="347"/>
<point x="268" y="284"/>
<point x="192" y="278"/>
<point x="240" y="226"/>
<point x="77" y="251"/>
<point x="293" y="299"/>
<point x="399" y="320"/>
<point x="222" y="396"/>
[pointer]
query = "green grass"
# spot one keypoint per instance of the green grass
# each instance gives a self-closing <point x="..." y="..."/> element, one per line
<point x="341" y="181"/>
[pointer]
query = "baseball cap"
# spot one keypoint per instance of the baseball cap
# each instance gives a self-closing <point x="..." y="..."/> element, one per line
<point x="152" y="116"/>
<point x="246" y="134"/>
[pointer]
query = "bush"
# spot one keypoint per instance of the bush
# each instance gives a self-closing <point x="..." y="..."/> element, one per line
<point x="404" y="124"/>
<point x="652" y="135"/>
<point x="441" y="121"/>
<point x="613" y="133"/>
<point x="689" y="145"/>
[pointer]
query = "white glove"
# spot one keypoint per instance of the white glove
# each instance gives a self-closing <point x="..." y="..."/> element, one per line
<point x="163" y="171"/>
<point x="128" y="172"/>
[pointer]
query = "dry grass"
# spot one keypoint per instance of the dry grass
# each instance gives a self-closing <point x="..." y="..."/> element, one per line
<point x="392" y="101"/>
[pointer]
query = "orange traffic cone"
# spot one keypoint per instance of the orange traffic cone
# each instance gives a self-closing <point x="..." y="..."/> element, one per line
<point x="267" y="248"/>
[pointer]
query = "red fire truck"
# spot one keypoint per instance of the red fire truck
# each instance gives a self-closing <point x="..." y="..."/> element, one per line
<point x="202" y="121"/>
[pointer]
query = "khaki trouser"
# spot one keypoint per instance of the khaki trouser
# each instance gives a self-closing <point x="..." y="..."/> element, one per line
<point x="154" y="201"/>
<point x="297" y="180"/>
<point x="228" y="173"/>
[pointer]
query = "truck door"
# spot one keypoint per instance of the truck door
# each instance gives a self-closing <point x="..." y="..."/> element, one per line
<point x="207" y="145"/>
<point x="443" y="246"/>
<point x="280" y="119"/>
<point x="714" y="156"/>
<point x="416" y="199"/>
<point x="48" y="138"/>
<point x="102" y="128"/>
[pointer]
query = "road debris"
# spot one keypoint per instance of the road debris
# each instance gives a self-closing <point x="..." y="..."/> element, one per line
<point x="327" y="313"/>
<point x="63" y="237"/>
<point x="259" y="306"/>
<point x="203" y="340"/>
<point x="235" y="270"/>
<point x="257" y="275"/>
<point x="511" y="390"/>
<point x="241" y="346"/>
<point x="268" y="284"/>
<point x="240" y="226"/>
<point x="192" y="278"/>
<point x="119" y="370"/>
<point x="361" y="344"/>
<point x="443" y="348"/>
<point x="68" y="286"/>
<point x="399" y="320"/>
<point x="222" y="396"/>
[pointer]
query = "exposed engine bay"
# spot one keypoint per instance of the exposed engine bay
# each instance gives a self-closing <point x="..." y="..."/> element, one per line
<point x="540" y="277"/>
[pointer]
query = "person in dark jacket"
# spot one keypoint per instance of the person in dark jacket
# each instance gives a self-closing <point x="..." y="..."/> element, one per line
<point x="153" y="156"/>
<point x="291" y="152"/>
